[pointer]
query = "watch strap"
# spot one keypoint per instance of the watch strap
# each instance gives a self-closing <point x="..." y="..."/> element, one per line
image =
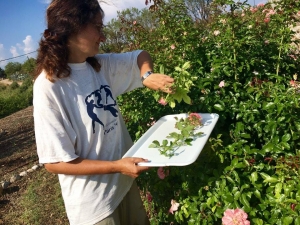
<point x="147" y="74"/>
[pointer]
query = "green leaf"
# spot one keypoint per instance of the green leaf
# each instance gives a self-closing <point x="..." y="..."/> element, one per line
<point x="244" y="135"/>
<point x="254" y="177"/>
<point x="237" y="195"/>
<point x="271" y="180"/>
<point x="152" y="146"/>
<point x="285" y="145"/>
<point x="244" y="200"/>
<point x="258" y="221"/>
<point x="264" y="175"/>
<point x="161" y="69"/>
<point x="269" y="106"/>
<point x="239" y="126"/>
<point x="286" y="137"/>
<point x="281" y="119"/>
<point x="186" y="65"/>
<point x="230" y="179"/>
<point x="172" y="104"/>
<point x="268" y="147"/>
<point x="287" y="220"/>
<point x="278" y="188"/>
<point x="228" y="197"/>
<point x="234" y="161"/>
<point x="297" y="221"/>
<point x="219" y="107"/>
<point x="240" y="165"/>
<point x="177" y="96"/>
<point x="221" y="156"/>
<point x="186" y="99"/>
<point x="165" y="142"/>
<point x="257" y="194"/>
<point x="297" y="124"/>
<point x="236" y="176"/>
<point x="177" y="68"/>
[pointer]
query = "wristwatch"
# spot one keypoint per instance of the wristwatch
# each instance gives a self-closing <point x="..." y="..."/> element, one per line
<point x="147" y="74"/>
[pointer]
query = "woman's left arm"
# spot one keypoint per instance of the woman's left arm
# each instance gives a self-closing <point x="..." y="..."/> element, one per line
<point x="155" y="81"/>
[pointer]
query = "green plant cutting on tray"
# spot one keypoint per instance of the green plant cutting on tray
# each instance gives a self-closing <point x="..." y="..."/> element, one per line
<point x="187" y="128"/>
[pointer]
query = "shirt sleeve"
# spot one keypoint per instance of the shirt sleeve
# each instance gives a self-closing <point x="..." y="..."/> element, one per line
<point x="55" y="140"/>
<point x="121" y="71"/>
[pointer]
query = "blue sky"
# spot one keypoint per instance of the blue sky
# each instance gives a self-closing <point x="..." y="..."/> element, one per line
<point x="23" y="22"/>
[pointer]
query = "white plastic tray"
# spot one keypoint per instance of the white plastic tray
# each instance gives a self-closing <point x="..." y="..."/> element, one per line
<point x="184" y="155"/>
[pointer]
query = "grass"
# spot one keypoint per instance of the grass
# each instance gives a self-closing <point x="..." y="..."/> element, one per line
<point x="15" y="97"/>
<point x="43" y="201"/>
<point x="40" y="203"/>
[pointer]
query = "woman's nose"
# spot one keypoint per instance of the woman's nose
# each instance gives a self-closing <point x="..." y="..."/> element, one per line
<point x="102" y="37"/>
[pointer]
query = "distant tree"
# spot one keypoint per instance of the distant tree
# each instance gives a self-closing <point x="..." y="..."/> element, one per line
<point x="28" y="66"/>
<point x="118" y="39"/>
<point x="12" y="68"/>
<point x="200" y="10"/>
<point x="2" y="73"/>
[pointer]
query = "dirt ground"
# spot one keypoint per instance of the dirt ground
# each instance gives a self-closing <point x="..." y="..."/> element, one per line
<point x="7" y="82"/>
<point x="17" y="143"/>
<point x="17" y="154"/>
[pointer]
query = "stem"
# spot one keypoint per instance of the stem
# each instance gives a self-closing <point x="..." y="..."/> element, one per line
<point x="234" y="65"/>
<point x="279" y="55"/>
<point x="232" y="41"/>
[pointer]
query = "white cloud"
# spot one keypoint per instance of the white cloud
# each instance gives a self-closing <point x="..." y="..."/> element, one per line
<point x="45" y="1"/>
<point x="13" y="50"/>
<point x="29" y="45"/>
<point x="110" y="8"/>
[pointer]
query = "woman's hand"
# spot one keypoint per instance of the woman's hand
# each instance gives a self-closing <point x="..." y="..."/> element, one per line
<point x="130" y="167"/>
<point x="155" y="81"/>
<point x="159" y="82"/>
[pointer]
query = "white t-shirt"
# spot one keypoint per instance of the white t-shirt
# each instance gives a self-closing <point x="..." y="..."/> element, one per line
<point x="78" y="116"/>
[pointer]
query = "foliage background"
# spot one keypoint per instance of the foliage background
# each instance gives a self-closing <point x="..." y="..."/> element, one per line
<point x="252" y="159"/>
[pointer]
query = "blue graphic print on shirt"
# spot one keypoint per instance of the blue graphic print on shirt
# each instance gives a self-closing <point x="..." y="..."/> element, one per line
<point x="100" y="99"/>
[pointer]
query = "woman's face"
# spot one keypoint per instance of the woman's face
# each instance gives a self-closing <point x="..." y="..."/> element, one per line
<point x="86" y="42"/>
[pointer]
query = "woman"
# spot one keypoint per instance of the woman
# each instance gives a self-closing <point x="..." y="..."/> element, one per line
<point x="80" y="133"/>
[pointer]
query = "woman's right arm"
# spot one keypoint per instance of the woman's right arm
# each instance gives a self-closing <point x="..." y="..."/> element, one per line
<point x="79" y="166"/>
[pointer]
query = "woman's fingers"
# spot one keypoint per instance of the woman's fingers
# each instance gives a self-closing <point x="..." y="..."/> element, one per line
<point x="160" y="82"/>
<point x="131" y="167"/>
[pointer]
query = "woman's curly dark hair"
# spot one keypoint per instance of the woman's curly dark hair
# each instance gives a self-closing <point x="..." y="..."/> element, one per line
<point x="64" y="18"/>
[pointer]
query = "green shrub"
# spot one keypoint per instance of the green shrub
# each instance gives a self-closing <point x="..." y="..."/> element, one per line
<point x="15" y="98"/>
<point x="2" y="87"/>
<point x="246" y="71"/>
<point x="14" y="85"/>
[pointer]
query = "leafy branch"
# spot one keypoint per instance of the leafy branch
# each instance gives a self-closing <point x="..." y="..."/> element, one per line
<point x="187" y="134"/>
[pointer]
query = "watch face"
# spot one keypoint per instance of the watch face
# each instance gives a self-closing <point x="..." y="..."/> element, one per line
<point x="146" y="75"/>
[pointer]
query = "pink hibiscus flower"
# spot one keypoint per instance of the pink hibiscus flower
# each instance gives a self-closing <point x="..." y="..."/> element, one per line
<point x="173" y="46"/>
<point x="162" y="101"/>
<point x="162" y="173"/>
<point x="270" y="12"/>
<point x="195" y="119"/>
<point x="222" y="84"/>
<point x="149" y="197"/>
<point x="253" y="9"/>
<point x="235" y="217"/>
<point x="292" y="83"/>
<point x="260" y="5"/>
<point x="174" y="206"/>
